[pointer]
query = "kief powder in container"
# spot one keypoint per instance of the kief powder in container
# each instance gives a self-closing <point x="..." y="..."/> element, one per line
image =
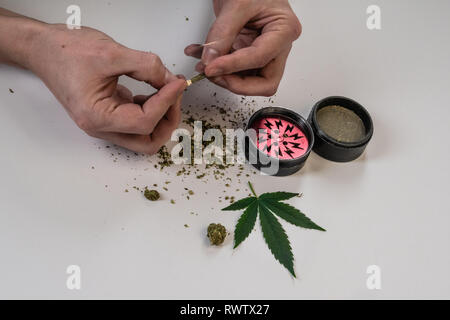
<point x="342" y="128"/>
<point x="341" y="124"/>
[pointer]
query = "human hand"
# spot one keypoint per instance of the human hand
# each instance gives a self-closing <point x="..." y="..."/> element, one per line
<point x="82" y="67"/>
<point x="248" y="45"/>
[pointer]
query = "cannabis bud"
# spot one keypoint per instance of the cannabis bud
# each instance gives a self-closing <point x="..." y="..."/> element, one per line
<point x="151" y="195"/>
<point x="216" y="234"/>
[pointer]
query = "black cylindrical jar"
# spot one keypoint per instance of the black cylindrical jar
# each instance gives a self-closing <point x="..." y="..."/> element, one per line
<point x="332" y="149"/>
<point x="286" y="166"/>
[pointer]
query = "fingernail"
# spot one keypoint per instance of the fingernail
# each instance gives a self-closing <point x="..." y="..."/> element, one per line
<point x="180" y="76"/>
<point x="209" y="54"/>
<point x="193" y="50"/>
<point x="169" y="77"/>
<point x="200" y="67"/>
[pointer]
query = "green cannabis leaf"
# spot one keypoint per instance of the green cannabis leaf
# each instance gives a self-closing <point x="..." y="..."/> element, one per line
<point x="269" y="207"/>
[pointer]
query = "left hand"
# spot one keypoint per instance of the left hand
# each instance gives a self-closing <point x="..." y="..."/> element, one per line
<point x="82" y="68"/>
<point x="248" y="45"/>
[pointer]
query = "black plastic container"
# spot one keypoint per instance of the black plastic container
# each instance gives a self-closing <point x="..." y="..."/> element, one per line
<point x="286" y="166"/>
<point x="334" y="150"/>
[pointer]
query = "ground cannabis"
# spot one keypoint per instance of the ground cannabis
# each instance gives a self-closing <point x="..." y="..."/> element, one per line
<point x="341" y="124"/>
<point x="216" y="234"/>
<point x="222" y="114"/>
<point x="164" y="157"/>
<point x="151" y="195"/>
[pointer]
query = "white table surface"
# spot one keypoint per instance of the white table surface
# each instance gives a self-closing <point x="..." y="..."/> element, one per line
<point x="389" y="208"/>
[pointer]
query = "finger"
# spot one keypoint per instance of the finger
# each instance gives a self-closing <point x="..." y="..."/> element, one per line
<point x="133" y="119"/>
<point x="140" y="99"/>
<point x="158" y="105"/>
<point x="143" y="66"/>
<point x="232" y="18"/>
<point x="266" y="84"/>
<point x="163" y="131"/>
<point x="136" y="143"/>
<point x="200" y="67"/>
<point x="263" y="50"/>
<point x="245" y="39"/>
<point x="241" y="41"/>
<point x="194" y="50"/>
<point x="173" y="115"/>
<point x="149" y="144"/>
<point x="124" y="93"/>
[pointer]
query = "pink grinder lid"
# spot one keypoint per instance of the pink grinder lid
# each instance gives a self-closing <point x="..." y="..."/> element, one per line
<point x="278" y="137"/>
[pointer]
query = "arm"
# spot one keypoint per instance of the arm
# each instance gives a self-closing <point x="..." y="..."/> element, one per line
<point x="18" y="32"/>
<point x="81" y="68"/>
<point x="248" y="45"/>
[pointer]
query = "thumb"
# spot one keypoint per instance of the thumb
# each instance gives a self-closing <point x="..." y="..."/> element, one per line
<point x="158" y="104"/>
<point x="233" y="16"/>
<point x="144" y="66"/>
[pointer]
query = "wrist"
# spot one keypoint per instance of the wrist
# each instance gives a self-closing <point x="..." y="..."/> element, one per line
<point x="18" y="39"/>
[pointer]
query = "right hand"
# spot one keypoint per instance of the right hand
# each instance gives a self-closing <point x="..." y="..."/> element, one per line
<point x="248" y="45"/>
<point x="82" y="67"/>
